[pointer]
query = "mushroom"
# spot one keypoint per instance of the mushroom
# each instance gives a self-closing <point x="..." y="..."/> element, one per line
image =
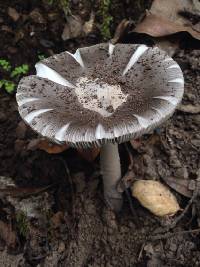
<point x="101" y="96"/>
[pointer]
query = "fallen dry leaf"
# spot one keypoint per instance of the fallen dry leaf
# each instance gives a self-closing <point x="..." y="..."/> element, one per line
<point x="52" y="148"/>
<point x="73" y="28"/>
<point x="181" y="186"/>
<point x="13" y="14"/>
<point x="57" y="219"/>
<point x="120" y="31"/>
<point x="172" y="9"/>
<point x="36" y="16"/>
<point x="196" y="4"/>
<point x="189" y="108"/>
<point x="155" y="197"/>
<point x="47" y="146"/>
<point x="8" y="187"/>
<point x="89" y="154"/>
<point x="136" y="143"/>
<point x="88" y="25"/>
<point x="76" y="27"/>
<point x="158" y="26"/>
<point x="8" y="235"/>
<point x="164" y="20"/>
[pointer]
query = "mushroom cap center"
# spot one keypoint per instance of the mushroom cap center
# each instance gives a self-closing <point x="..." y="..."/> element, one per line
<point x="99" y="96"/>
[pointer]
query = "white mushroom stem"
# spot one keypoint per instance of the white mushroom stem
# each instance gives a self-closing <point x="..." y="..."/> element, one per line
<point x="111" y="172"/>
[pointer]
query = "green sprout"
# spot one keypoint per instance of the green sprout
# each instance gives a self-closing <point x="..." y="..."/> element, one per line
<point x="23" y="69"/>
<point x="5" y="65"/>
<point x="14" y="74"/>
<point x="8" y="85"/>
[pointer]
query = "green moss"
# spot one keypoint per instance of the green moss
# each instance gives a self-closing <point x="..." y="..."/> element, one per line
<point x="41" y="56"/>
<point x="107" y="19"/>
<point x="63" y="4"/>
<point x="22" y="224"/>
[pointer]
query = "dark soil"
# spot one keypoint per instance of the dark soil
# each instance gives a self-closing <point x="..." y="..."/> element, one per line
<point x="75" y="228"/>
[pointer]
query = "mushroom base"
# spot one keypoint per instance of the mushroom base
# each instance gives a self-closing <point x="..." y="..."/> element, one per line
<point x="111" y="173"/>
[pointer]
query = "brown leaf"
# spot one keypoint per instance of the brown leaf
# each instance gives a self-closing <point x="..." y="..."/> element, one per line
<point x="13" y="14"/>
<point x="52" y="148"/>
<point x="89" y="25"/>
<point x="189" y="108"/>
<point x="8" y="187"/>
<point x="136" y="143"/>
<point x="171" y="9"/>
<point x="47" y="146"/>
<point x="158" y="26"/>
<point x="89" y="154"/>
<point x="73" y="28"/>
<point x="8" y="235"/>
<point x="22" y="191"/>
<point x="182" y="186"/>
<point x="121" y="30"/>
<point x="36" y="16"/>
<point x="57" y="219"/>
<point x="164" y="20"/>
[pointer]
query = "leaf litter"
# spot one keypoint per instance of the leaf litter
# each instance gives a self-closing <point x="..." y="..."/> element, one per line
<point x="93" y="236"/>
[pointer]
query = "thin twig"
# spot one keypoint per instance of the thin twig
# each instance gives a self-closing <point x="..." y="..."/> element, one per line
<point x="164" y="231"/>
<point x="130" y="167"/>
<point x="39" y="191"/>
<point x="70" y="182"/>
<point x="168" y="235"/>
<point x="133" y="211"/>
<point x="194" y="196"/>
<point x="125" y="185"/>
<point x="68" y="174"/>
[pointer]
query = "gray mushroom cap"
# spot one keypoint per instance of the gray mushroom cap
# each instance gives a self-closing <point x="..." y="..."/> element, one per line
<point x="103" y="93"/>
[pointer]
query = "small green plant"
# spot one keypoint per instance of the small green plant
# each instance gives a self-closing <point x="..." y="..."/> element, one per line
<point x="41" y="56"/>
<point x="8" y="85"/>
<point x="14" y="74"/>
<point x="50" y="2"/>
<point x="22" y="224"/>
<point x="106" y="19"/>
<point x="63" y="4"/>
<point x="23" y="69"/>
<point x="5" y="64"/>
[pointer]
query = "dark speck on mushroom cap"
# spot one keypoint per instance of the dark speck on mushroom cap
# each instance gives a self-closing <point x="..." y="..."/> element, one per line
<point x="100" y="94"/>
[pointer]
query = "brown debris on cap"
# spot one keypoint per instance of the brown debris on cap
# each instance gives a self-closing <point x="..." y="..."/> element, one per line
<point x="103" y="93"/>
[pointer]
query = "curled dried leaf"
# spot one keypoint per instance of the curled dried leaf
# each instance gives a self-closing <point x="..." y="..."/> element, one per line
<point x="158" y="26"/>
<point x="182" y="186"/>
<point x="51" y="148"/>
<point x="120" y="31"/>
<point x="155" y="197"/>
<point x="47" y="146"/>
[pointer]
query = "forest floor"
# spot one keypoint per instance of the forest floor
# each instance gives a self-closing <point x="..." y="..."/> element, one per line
<point x="67" y="222"/>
